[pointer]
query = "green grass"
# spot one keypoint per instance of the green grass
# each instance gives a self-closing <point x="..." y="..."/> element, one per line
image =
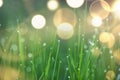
<point x="57" y="60"/>
<point x="53" y="58"/>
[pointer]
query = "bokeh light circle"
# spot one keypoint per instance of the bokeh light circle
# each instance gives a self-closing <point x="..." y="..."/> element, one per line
<point x="104" y="37"/>
<point x="75" y="3"/>
<point x="116" y="31"/>
<point x="1" y="3"/>
<point x="96" y="21"/>
<point x="65" y="31"/>
<point x="96" y="52"/>
<point x="64" y="15"/>
<point x="52" y="4"/>
<point x="107" y="38"/>
<point x="98" y="8"/>
<point x="116" y="56"/>
<point x="38" y="21"/>
<point x="110" y="75"/>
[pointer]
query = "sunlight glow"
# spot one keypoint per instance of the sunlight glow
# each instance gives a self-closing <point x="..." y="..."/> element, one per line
<point x="52" y="5"/>
<point x="1" y="3"/>
<point x="65" y="31"/>
<point x="38" y="21"/>
<point x="116" y="9"/>
<point x="99" y="8"/>
<point x="64" y="15"/>
<point x="75" y="3"/>
<point x="97" y="21"/>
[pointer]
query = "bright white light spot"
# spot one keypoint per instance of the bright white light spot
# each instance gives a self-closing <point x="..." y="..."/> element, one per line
<point x="97" y="21"/>
<point x="116" y="6"/>
<point x="65" y="31"/>
<point x="116" y="9"/>
<point x="30" y="55"/>
<point x="38" y="21"/>
<point x="44" y="44"/>
<point x="1" y="3"/>
<point x="52" y="4"/>
<point x="75" y="3"/>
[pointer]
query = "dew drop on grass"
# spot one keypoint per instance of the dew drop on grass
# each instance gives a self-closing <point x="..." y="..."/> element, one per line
<point x="68" y="56"/>
<point x="111" y="57"/>
<point x="110" y="51"/>
<point x="30" y="55"/>
<point x="20" y="64"/>
<point x="105" y="71"/>
<point x="44" y="44"/>
<point x="18" y="31"/>
<point x="60" y="61"/>
<point x="28" y="69"/>
<point x="69" y="77"/>
<point x="14" y="47"/>
<point x="59" y="41"/>
<point x="78" y="69"/>
<point x="69" y="49"/>
<point x="91" y="43"/>
<point x="67" y="69"/>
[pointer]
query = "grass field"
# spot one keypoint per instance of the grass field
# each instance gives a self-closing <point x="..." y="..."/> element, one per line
<point x="27" y="53"/>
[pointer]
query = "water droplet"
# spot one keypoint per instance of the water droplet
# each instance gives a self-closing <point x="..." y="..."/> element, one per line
<point x="67" y="69"/>
<point x="28" y="69"/>
<point x="111" y="57"/>
<point x="44" y="44"/>
<point x="78" y="69"/>
<point x="69" y="77"/>
<point x="14" y="47"/>
<point x="60" y="61"/>
<point x="69" y="49"/>
<point x="110" y="51"/>
<point x="58" y="40"/>
<point x="30" y="55"/>
<point x="91" y="43"/>
<point x="105" y="70"/>
<point x="18" y="31"/>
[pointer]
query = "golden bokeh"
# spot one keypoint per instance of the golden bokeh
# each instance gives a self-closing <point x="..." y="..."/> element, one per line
<point x="64" y="15"/>
<point x="111" y="41"/>
<point x="107" y="38"/>
<point x="116" y="31"/>
<point x="65" y="31"/>
<point x="96" y="52"/>
<point x="7" y="73"/>
<point x="99" y="8"/>
<point x="116" y="55"/>
<point x="104" y="37"/>
<point x="110" y="75"/>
